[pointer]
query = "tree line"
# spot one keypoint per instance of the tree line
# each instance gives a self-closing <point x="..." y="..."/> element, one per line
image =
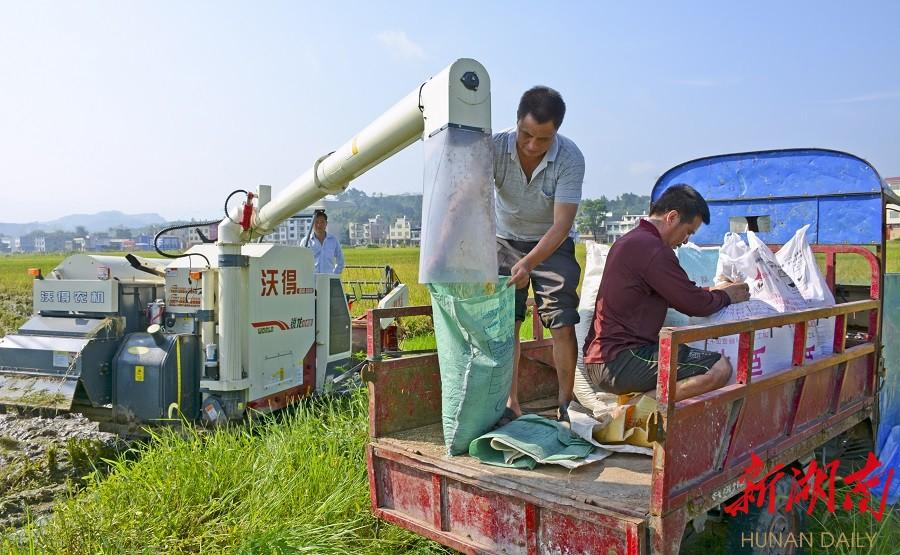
<point x="593" y="213"/>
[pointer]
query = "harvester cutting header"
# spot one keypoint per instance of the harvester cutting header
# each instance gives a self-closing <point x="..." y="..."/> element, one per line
<point x="227" y="326"/>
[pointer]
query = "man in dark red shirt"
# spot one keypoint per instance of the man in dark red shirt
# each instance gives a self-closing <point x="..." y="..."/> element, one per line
<point x="641" y="280"/>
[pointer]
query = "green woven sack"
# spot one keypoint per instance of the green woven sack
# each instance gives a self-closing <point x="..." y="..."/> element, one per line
<point x="473" y="326"/>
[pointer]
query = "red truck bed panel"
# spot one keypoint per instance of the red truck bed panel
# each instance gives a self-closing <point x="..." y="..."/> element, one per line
<point x="620" y="483"/>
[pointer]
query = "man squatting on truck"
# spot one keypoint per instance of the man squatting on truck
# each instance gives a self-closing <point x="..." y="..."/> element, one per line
<point x="641" y="280"/>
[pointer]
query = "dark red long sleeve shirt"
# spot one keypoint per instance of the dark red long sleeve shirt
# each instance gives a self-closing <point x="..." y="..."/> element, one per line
<point x="641" y="280"/>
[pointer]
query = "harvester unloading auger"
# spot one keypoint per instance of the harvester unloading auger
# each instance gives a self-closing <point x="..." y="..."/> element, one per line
<point x="243" y="325"/>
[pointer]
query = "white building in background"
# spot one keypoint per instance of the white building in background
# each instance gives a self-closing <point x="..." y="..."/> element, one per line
<point x="373" y="232"/>
<point x="359" y="234"/>
<point x="23" y="244"/>
<point x="294" y="229"/>
<point x="211" y="232"/>
<point x="291" y="231"/>
<point x="53" y="243"/>
<point x="378" y="230"/>
<point x="401" y="233"/>
<point x="613" y="229"/>
<point x="893" y="217"/>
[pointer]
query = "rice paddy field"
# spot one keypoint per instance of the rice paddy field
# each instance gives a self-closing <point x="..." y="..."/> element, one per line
<point x="293" y="483"/>
<point x="15" y="283"/>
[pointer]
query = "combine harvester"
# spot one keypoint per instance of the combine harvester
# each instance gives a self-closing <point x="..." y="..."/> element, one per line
<point x="241" y="325"/>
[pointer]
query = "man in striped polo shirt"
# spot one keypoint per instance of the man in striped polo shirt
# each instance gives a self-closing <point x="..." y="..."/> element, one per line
<point x="538" y="175"/>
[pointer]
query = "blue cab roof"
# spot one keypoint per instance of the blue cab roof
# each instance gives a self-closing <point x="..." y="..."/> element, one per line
<point x="838" y="194"/>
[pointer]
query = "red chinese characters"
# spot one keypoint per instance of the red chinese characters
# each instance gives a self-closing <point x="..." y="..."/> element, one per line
<point x="814" y="484"/>
<point x="269" y="282"/>
<point x="289" y="282"/>
<point x="281" y="282"/>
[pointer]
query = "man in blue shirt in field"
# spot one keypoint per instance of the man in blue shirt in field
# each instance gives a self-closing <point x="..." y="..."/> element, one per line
<point x="327" y="253"/>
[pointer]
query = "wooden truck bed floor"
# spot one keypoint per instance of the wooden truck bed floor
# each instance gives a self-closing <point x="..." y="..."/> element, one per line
<point x="620" y="482"/>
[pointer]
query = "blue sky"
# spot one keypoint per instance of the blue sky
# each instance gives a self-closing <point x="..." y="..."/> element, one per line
<point x="168" y="106"/>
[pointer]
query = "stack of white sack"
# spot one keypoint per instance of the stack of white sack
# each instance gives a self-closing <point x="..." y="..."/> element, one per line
<point x="700" y="265"/>
<point x="595" y="261"/>
<point x="784" y="282"/>
<point x="798" y="261"/>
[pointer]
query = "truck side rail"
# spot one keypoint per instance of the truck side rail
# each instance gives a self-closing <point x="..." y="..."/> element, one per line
<point x="707" y="440"/>
<point x="831" y="252"/>
<point x="374" y="348"/>
<point x="405" y="392"/>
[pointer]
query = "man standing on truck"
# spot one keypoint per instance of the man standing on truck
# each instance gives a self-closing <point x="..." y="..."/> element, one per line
<point x="538" y="175"/>
<point x="641" y="280"/>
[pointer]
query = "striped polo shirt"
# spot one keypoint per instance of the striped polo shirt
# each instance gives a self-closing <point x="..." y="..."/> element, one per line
<point x="525" y="208"/>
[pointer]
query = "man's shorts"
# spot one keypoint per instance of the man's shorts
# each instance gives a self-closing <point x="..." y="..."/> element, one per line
<point x="635" y="370"/>
<point x="555" y="281"/>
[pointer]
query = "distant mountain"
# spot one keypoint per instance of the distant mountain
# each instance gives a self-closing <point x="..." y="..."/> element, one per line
<point x="101" y="221"/>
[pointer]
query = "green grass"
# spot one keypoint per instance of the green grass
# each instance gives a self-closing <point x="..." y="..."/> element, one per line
<point x="886" y="532"/>
<point x="404" y="261"/>
<point x="15" y="287"/>
<point x="296" y="484"/>
<point x="292" y="484"/>
<point x="825" y="528"/>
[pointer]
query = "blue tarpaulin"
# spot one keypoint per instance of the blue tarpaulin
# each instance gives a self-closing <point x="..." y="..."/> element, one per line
<point x="838" y="194"/>
<point x="887" y="440"/>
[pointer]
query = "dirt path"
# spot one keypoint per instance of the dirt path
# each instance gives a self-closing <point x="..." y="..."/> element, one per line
<point x="41" y="458"/>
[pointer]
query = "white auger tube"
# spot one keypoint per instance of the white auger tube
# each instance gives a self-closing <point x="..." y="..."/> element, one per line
<point x="457" y="97"/>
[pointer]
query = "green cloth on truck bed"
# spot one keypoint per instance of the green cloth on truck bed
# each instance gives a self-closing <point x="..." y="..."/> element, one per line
<point x="527" y="441"/>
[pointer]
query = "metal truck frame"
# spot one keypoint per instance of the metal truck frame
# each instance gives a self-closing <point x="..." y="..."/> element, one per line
<point x="627" y="504"/>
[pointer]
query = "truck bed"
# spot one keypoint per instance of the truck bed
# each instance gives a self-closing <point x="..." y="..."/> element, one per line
<point x="627" y="504"/>
<point x="619" y="483"/>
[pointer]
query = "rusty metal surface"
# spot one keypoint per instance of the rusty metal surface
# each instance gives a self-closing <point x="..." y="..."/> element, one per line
<point x="870" y="258"/>
<point x="405" y="392"/>
<point x="765" y="420"/>
<point x="484" y="516"/>
<point x="687" y="334"/>
<point x="718" y="486"/>
<point x="666" y="533"/>
<point x="857" y="382"/>
<point x="816" y="395"/>
<point x="709" y="438"/>
<point x="619" y="483"/>
<point x="693" y="444"/>
<point x="537" y="376"/>
<point x="559" y="533"/>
